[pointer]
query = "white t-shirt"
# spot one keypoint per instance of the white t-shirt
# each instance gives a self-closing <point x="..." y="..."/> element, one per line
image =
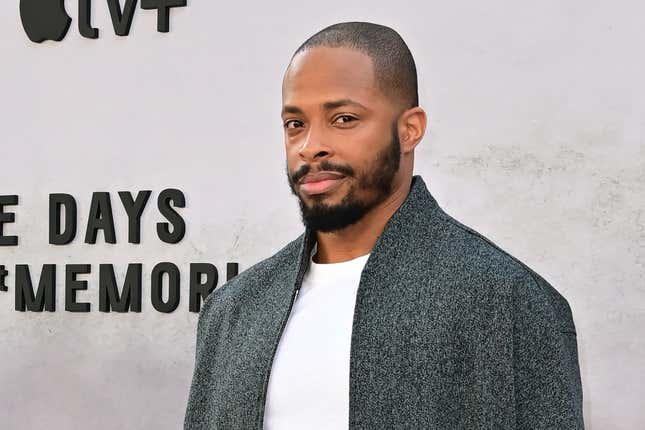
<point x="309" y="380"/>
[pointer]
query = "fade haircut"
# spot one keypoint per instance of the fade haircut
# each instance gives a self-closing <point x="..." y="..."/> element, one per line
<point x="394" y="68"/>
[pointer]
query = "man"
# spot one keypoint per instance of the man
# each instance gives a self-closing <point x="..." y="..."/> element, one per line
<point x="386" y="313"/>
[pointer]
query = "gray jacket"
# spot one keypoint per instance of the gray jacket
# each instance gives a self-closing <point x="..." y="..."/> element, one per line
<point x="449" y="332"/>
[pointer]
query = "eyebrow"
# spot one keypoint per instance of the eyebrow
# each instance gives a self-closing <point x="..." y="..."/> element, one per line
<point x="333" y="104"/>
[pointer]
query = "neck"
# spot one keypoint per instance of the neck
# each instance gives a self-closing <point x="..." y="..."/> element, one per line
<point x="359" y="238"/>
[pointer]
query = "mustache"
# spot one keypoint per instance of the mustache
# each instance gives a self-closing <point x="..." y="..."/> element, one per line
<point x="326" y="166"/>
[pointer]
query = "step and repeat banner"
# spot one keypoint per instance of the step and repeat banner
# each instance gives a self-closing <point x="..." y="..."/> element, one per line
<point x="142" y="165"/>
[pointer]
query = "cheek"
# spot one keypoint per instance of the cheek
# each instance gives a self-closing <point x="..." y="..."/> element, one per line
<point x="362" y="151"/>
<point x="291" y="155"/>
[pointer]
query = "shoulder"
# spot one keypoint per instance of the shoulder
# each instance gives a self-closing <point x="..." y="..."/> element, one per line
<point x="483" y="259"/>
<point x="251" y="281"/>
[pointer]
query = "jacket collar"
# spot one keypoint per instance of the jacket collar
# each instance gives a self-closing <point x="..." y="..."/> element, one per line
<point x="418" y="211"/>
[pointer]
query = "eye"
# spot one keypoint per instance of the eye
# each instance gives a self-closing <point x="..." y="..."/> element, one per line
<point x="291" y="121"/>
<point x="347" y="118"/>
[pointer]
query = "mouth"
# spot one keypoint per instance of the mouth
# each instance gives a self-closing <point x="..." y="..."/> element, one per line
<point x="320" y="187"/>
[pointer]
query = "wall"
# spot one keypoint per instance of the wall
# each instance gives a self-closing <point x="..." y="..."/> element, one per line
<point x="535" y="139"/>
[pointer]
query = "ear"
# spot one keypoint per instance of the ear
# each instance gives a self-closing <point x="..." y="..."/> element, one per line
<point x="412" y="126"/>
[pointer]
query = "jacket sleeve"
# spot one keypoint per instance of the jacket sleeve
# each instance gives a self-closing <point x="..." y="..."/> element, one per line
<point x="548" y="388"/>
<point x="197" y="406"/>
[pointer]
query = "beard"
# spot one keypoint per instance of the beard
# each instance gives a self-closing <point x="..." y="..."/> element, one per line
<point x="378" y="182"/>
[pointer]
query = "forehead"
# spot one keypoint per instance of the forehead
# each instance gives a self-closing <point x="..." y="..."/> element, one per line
<point x="322" y="73"/>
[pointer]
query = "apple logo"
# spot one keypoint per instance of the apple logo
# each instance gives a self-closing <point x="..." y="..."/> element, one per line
<point x="44" y="19"/>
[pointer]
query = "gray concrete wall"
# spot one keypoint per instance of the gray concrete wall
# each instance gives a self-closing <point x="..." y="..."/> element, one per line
<point x="535" y="138"/>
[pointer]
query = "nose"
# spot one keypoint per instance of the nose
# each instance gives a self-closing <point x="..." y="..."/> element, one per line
<point x="313" y="147"/>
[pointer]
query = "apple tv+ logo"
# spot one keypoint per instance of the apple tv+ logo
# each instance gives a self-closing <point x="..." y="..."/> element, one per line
<point x="48" y="19"/>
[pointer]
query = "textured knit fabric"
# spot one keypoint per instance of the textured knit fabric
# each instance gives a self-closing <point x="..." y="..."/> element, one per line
<point x="309" y="380"/>
<point x="449" y="332"/>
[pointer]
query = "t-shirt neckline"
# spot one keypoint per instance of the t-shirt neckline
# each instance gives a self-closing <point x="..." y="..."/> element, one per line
<point x="331" y="266"/>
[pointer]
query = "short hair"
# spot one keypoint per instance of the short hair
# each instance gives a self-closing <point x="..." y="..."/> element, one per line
<point x="394" y="68"/>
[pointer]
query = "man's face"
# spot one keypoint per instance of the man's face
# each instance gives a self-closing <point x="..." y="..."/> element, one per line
<point x="337" y="120"/>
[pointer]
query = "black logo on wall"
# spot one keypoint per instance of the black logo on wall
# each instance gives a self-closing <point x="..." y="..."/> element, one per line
<point x="48" y="19"/>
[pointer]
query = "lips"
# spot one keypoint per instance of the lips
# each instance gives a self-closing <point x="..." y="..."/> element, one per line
<point x="320" y="176"/>
<point x="320" y="182"/>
